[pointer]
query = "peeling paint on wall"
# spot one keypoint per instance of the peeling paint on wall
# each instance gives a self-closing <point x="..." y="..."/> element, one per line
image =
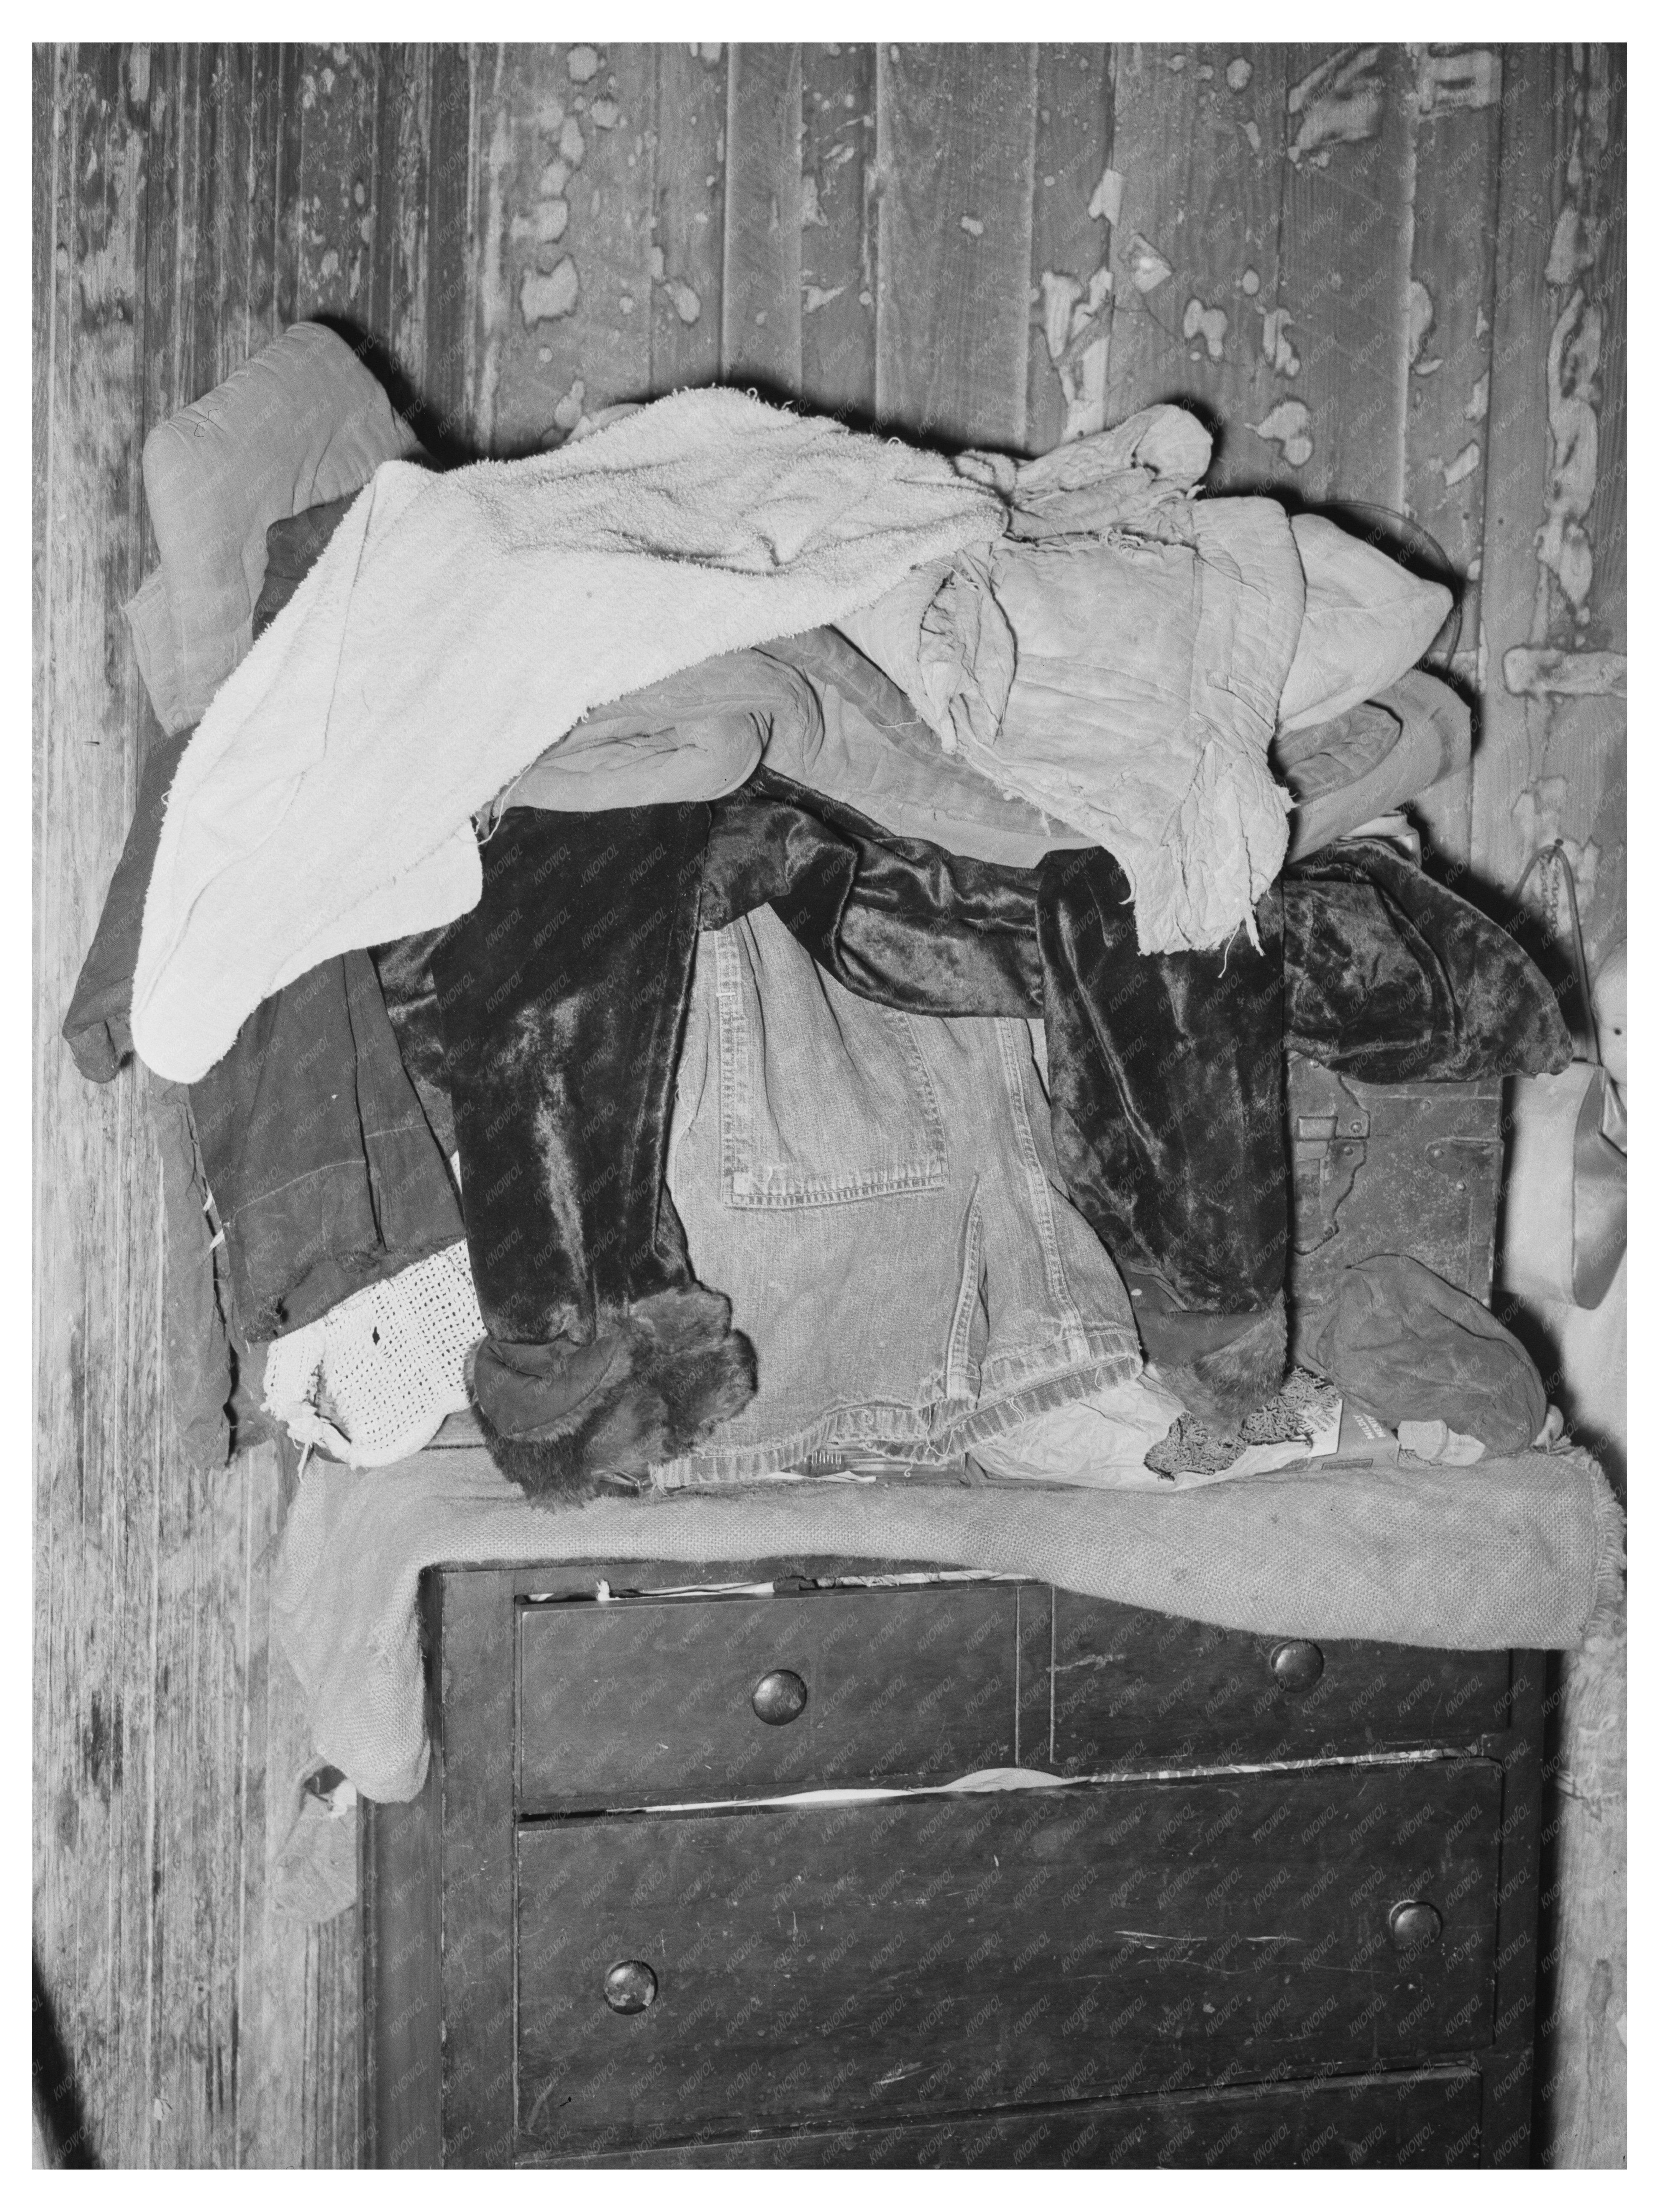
<point x="1555" y="665"/>
<point x="1540" y="671"/>
<point x="1147" y="267"/>
<point x="1288" y="426"/>
<point x="1107" y="202"/>
<point x="1077" y="330"/>
<point x="551" y="218"/>
<point x="1420" y="321"/>
<point x="1275" y="346"/>
<point x="1208" y="323"/>
<point x="1451" y="80"/>
<point x="543" y="299"/>
<point x="1564" y="547"/>
<point x="1341" y="103"/>
<point x="493" y="189"/>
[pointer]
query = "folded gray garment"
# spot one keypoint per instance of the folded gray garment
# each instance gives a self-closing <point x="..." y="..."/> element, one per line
<point x="1510" y="1554"/>
<point x="696" y="734"/>
<point x="872" y="750"/>
<point x="818" y="711"/>
<point x="1375" y="757"/>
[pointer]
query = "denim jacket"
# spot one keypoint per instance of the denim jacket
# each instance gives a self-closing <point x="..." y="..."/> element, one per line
<point x="876" y="1192"/>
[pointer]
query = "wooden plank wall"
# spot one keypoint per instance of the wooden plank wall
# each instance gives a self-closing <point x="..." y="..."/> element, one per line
<point x="1382" y="273"/>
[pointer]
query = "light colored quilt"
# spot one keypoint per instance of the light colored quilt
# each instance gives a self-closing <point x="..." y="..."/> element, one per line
<point x="455" y="626"/>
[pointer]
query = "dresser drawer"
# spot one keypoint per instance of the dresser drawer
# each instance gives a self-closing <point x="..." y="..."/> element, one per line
<point x="1392" y="2120"/>
<point x="646" y="1701"/>
<point x="1134" y="1688"/>
<point x="924" y="1955"/>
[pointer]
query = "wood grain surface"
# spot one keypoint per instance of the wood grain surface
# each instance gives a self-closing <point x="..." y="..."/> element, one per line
<point x="1203" y="313"/>
<point x="760" y="296"/>
<point x="1457" y="117"/>
<point x="164" y="1752"/>
<point x="1405" y="2120"/>
<point x="1346" y="260"/>
<point x="955" y="145"/>
<point x="402" y="1919"/>
<point x="1118" y="1671"/>
<point x="637" y="1703"/>
<point x="838" y="227"/>
<point x="473" y="1631"/>
<point x="1552" y="764"/>
<point x="1235" y="1925"/>
<point x="1584" y="2029"/>
<point x="1068" y="348"/>
<point x="689" y="209"/>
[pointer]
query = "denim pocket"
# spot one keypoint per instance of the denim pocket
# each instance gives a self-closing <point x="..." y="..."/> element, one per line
<point x="850" y="1113"/>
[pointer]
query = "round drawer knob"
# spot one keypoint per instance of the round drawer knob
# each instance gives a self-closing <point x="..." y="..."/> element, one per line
<point x="779" y="1697"/>
<point x="1297" y="1665"/>
<point x="630" y="1986"/>
<point x="1414" y="1922"/>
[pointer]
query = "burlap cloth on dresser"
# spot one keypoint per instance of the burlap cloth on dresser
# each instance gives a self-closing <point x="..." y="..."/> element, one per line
<point x="1511" y="1552"/>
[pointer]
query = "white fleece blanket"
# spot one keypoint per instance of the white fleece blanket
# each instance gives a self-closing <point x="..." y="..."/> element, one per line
<point x="455" y="626"/>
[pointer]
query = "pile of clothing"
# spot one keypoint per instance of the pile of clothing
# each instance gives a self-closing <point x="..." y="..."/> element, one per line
<point x="807" y="922"/>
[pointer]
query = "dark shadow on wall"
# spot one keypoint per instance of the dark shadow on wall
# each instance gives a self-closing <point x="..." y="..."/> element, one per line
<point x="57" y="2108"/>
<point x="437" y="433"/>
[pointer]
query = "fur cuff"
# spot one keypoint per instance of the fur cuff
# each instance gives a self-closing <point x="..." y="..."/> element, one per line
<point x="1225" y="1381"/>
<point x="563" y="1421"/>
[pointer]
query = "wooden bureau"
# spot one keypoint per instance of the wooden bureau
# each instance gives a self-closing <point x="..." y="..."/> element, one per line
<point x="1283" y="1913"/>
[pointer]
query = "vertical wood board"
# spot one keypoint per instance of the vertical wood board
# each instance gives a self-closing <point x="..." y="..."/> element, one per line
<point x="689" y="217"/>
<point x="565" y="142"/>
<point x="1346" y="260"/>
<point x="150" y="1750"/>
<point x="1553" y="765"/>
<point x="1204" y="312"/>
<point x="1449" y="309"/>
<point x="1069" y="342"/>
<point x="838" y="266"/>
<point x="761" y="283"/>
<point x="954" y="137"/>
<point x="1449" y="352"/>
<point x="399" y="208"/>
<point x="447" y="331"/>
<point x="1584" y="2035"/>
<point x="476" y="1782"/>
<point x="338" y="164"/>
<point x="94" y="1188"/>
